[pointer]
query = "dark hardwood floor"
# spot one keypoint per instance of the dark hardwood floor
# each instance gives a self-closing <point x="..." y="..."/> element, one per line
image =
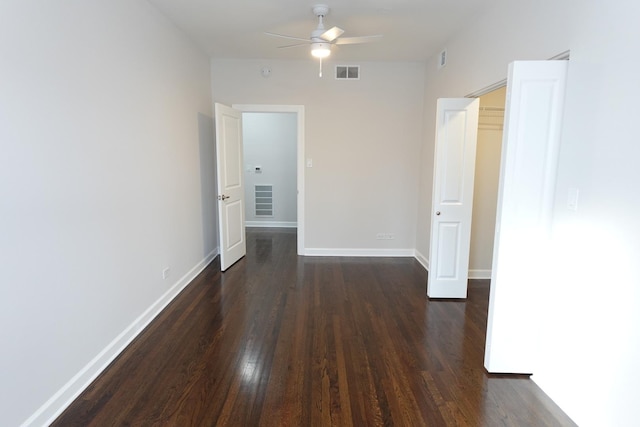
<point x="282" y="340"/>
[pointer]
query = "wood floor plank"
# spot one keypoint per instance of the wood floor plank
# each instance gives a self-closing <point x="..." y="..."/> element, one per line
<point x="283" y="340"/>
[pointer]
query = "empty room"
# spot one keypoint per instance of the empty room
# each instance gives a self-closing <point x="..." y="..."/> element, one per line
<point x="149" y="278"/>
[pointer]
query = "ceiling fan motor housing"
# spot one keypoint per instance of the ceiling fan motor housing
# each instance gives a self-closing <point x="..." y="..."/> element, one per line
<point x="315" y="35"/>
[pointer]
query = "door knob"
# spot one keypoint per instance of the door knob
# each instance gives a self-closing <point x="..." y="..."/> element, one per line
<point x="223" y="197"/>
<point x="437" y="212"/>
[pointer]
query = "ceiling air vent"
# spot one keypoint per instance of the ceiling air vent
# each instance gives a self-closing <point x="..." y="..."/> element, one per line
<point x="347" y="72"/>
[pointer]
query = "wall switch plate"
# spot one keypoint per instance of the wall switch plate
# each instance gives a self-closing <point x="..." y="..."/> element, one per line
<point x="309" y="163"/>
<point x="165" y="272"/>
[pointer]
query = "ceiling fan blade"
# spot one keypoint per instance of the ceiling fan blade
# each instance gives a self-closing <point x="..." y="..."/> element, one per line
<point x="293" y="45"/>
<point x="332" y="34"/>
<point x="286" y="37"/>
<point x="357" y="40"/>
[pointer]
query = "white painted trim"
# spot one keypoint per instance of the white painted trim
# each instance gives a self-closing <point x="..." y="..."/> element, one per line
<point x="360" y="252"/>
<point x="423" y="260"/>
<point x="269" y="224"/>
<point x="57" y="403"/>
<point x="480" y="274"/>
<point x="485" y="90"/>
<point x="562" y="56"/>
<point x="299" y="110"/>
<point x="473" y="273"/>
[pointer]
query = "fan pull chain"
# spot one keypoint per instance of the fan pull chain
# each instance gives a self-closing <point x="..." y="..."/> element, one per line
<point x="320" y="74"/>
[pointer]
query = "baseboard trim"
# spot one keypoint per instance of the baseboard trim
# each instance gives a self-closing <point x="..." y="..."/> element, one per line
<point x="422" y="260"/>
<point x="479" y="274"/>
<point x="359" y="252"/>
<point x="273" y="224"/>
<point x="473" y="273"/>
<point x="53" y="407"/>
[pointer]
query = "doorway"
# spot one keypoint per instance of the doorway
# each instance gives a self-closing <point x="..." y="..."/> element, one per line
<point x="487" y="175"/>
<point x="260" y="193"/>
<point x="269" y="148"/>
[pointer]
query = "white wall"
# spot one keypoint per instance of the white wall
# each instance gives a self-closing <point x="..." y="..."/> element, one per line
<point x="364" y="138"/>
<point x="104" y="112"/>
<point x="270" y="140"/>
<point x="589" y="334"/>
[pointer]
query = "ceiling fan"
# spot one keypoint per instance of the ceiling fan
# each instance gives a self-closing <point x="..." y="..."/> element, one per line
<point x="322" y="39"/>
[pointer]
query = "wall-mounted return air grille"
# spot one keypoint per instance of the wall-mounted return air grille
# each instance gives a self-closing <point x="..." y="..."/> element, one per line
<point x="347" y="72"/>
<point x="264" y="200"/>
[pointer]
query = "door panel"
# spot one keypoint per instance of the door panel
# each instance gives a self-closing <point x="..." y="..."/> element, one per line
<point x="448" y="249"/>
<point x="234" y="230"/>
<point x="530" y="148"/>
<point x="232" y="147"/>
<point x="455" y="158"/>
<point x="230" y="185"/>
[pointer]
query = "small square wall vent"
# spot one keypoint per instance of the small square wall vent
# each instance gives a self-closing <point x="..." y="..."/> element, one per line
<point x="347" y="72"/>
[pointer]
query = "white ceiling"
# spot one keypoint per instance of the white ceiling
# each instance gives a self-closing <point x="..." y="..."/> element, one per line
<point x="412" y="29"/>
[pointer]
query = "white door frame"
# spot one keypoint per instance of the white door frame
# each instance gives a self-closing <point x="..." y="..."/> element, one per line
<point x="299" y="111"/>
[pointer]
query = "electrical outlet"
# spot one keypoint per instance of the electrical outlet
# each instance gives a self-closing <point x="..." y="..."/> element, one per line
<point x="165" y="272"/>
<point x="385" y="236"/>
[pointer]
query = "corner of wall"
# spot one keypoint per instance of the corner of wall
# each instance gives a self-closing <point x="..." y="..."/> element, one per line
<point x="422" y="259"/>
<point x="53" y="407"/>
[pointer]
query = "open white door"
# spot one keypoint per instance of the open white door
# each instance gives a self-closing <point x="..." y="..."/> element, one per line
<point x="530" y="148"/>
<point x="230" y="185"/>
<point x="455" y="162"/>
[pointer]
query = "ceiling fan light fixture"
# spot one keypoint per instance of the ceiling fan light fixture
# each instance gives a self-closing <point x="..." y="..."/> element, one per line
<point x="320" y="49"/>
